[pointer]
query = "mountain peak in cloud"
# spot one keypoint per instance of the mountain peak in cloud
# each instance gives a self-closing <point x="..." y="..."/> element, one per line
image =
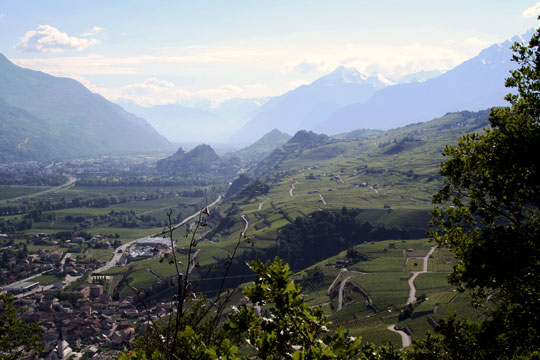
<point x="349" y="75"/>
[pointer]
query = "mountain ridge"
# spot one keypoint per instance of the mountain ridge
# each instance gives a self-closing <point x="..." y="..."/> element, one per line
<point x="309" y="104"/>
<point x="89" y="123"/>
<point x="475" y="84"/>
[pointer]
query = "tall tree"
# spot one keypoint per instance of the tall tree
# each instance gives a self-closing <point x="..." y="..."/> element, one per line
<point x="489" y="217"/>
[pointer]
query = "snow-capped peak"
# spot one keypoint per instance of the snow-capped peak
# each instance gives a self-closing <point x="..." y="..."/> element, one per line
<point x="348" y="75"/>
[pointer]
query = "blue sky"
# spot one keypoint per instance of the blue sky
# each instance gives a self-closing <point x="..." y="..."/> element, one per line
<point x="182" y="51"/>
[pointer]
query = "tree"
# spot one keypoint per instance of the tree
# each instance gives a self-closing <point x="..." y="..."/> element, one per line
<point x="286" y="329"/>
<point x="492" y="223"/>
<point x="17" y="337"/>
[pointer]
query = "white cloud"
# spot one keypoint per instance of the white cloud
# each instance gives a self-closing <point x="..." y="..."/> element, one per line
<point x="215" y="72"/>
<point x="305" y="67"/>
<point x="95" y="30"/>
<point x="476" y="42"/>
<point x="154" y="91"/>
<point x="49" y="40"/>
<point x="532" y="11"/>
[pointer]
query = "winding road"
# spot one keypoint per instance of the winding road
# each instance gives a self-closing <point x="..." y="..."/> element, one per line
<point x="341" y="287"/>
<point x="412" y="288"/>
<point x="118" y="254"/>
<point x="406" y="338"/>
<point x="292" y="188"/>
<point x="246" y="226"/>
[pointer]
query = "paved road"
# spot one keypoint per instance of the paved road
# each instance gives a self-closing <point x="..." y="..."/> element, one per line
<point x="118" y="254"/>
<point x="70" y="182"/>
<point x="261" y="205"/>
<point x="189" y="218"/>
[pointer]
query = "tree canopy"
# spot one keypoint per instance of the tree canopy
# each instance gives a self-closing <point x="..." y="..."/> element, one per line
<point x="489" y="217"/>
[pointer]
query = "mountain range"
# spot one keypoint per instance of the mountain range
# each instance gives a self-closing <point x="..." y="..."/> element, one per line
<point x="346" y="100"/>
<point x="474" y="85"/>
<point x="308" y="105"/>
<point x="189" y="124"/>
<point x="43" y="117"/>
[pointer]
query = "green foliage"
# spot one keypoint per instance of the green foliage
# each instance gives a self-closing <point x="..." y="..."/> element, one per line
<point x="493" y="225"/>
<point x="287" y="328"/>
<point x="16" y="336"/>
<point x="323" y="234"/>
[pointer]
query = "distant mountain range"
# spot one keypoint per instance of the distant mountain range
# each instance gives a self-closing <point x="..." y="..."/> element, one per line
<point x="345" y="100"/>
<point x="43" y="117"/>
<point x="186" y="124"/>
<point x="474" y="85"/>
<point x="308" y="105"/>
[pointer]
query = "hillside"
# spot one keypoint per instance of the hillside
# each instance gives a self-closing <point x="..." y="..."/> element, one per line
<point x="292" y="149"/>
<point x="308" y="105"/>
<point x="474" y="85"/>
<point x="26" y="137"/>
<point x="262" y="147"/>
<point x="199" y="160"/>
<point x="75" y="122"/>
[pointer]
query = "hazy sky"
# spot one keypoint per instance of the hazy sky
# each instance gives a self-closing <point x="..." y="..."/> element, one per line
<point x="168" y="51"/>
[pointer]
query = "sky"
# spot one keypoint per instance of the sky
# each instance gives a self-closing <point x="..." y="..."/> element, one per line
<point x="204" y="52"/>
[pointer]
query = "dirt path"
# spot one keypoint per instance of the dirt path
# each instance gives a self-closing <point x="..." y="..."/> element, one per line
<point x="341" y="287"/>
<point x="405" y="338"/>
<point x="372" y="188"/>
<point x="335" y="281"/>
<point x="322" y="199"/>
<point x="261" y="205"/>
<point x="246" y="226"/>
<point x="412" y="287"/>
<point x="292" y="188"/>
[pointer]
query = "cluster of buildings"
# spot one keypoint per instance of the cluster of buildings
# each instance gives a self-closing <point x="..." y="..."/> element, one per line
<point x="86" y="322"/>
<point x="81" y="322"/>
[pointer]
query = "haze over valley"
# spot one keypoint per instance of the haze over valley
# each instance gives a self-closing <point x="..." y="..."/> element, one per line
<point x="268" y="179"/>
